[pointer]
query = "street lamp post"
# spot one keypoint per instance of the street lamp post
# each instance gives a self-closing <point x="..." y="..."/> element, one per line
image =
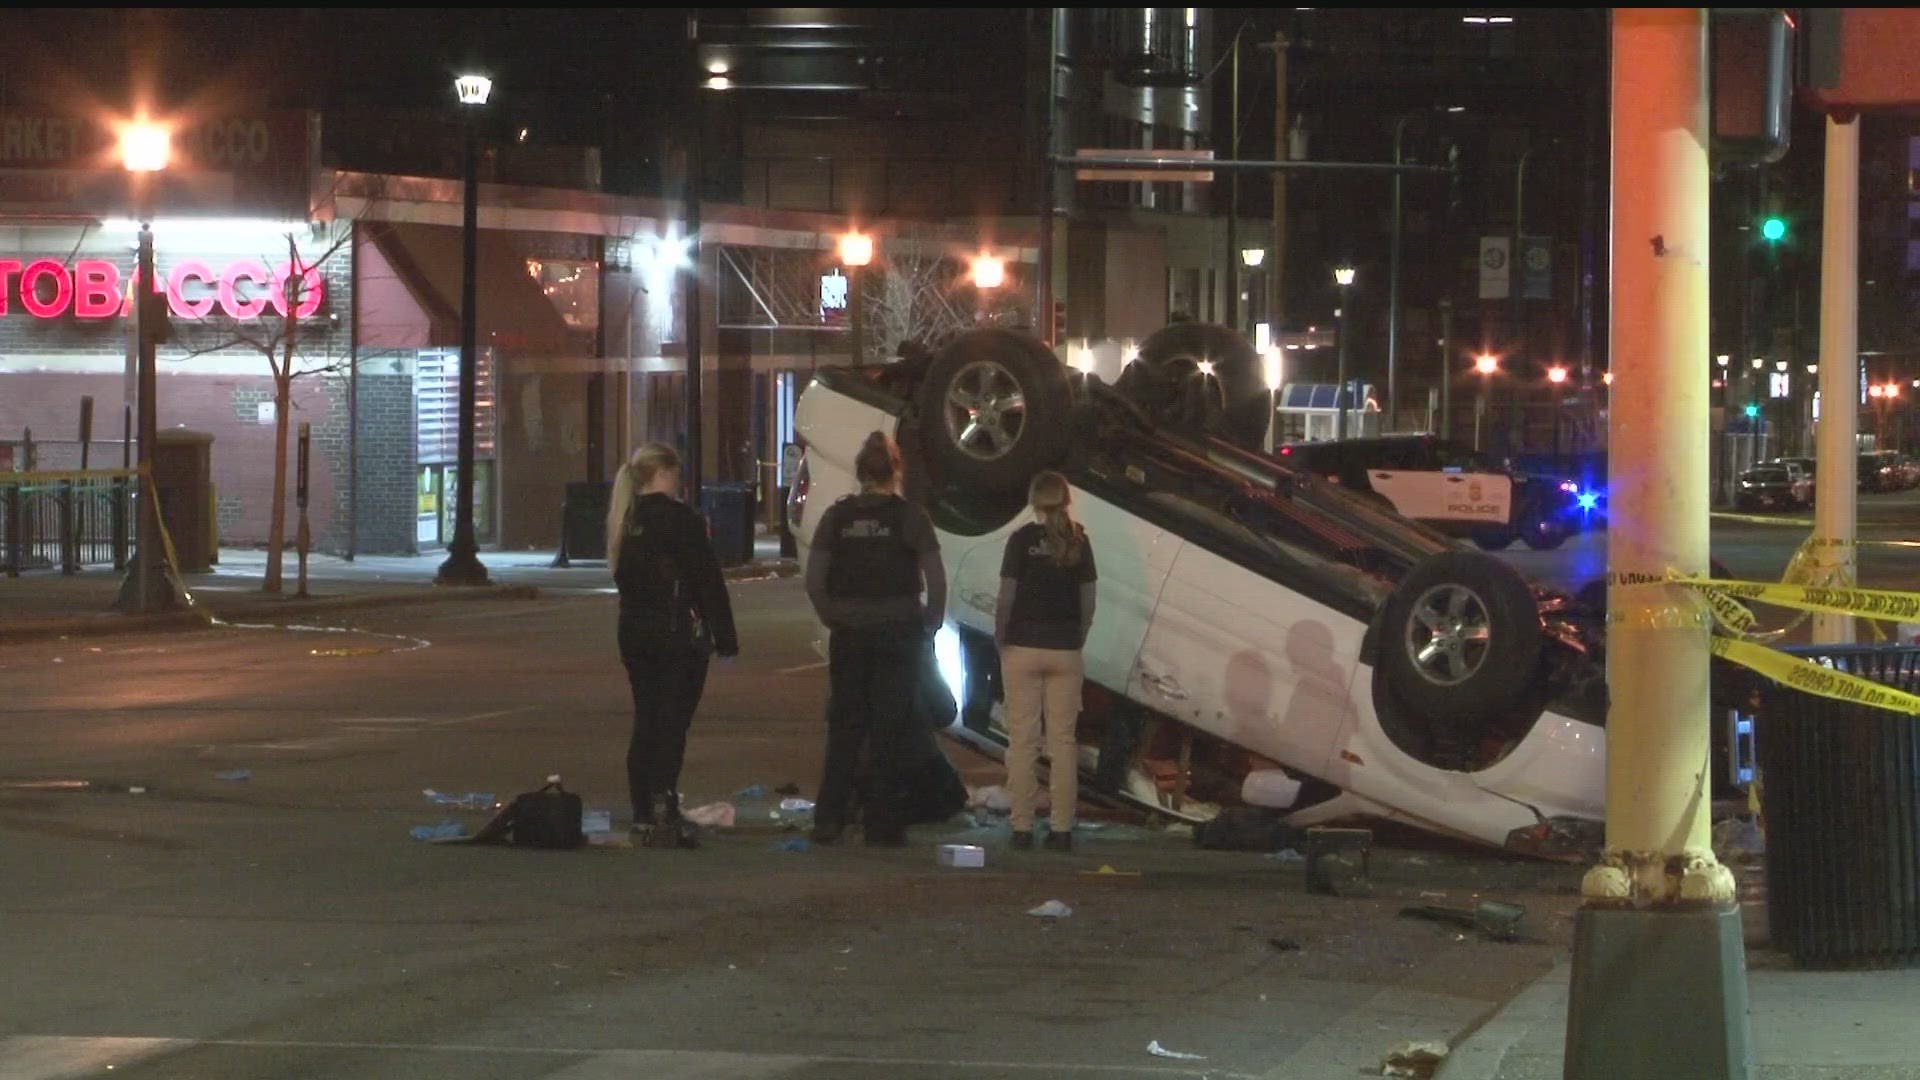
<point x="1556" y="378"/>
<point x="1343" y="277"/>
<point x="150" y="586"/>
<point x="1253" y="258"/>
<point x="1446" y="369"/>
<point x="462" y="566"/>
<point x="1486" y="365"/>
<point x="856" y="251"/>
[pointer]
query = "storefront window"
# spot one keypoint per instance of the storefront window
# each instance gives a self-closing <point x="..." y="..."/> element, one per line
<point x="436" y="389"/>
<point x="574" y="288"/>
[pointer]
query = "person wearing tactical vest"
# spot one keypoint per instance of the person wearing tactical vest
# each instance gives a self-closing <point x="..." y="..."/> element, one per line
<point x="1040" y="625"/>
<point x="674" y="612"/>
<point x="874" y="555"/>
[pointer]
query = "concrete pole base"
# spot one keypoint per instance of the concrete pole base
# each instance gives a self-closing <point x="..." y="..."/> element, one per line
<point x="153" y="593"/>
<point x="1658" y="995"/>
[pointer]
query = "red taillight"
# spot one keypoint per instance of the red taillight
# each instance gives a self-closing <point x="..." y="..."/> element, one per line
<point x="1286" y="451"/>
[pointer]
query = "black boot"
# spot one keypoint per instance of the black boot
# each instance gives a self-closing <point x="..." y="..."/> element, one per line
<point x="673" y="831"/>
<point x="643" y="820"/>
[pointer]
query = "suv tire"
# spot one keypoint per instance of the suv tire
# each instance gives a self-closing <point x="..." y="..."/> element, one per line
<point x="1175" y="352"/>
<point x="995" y="409"/>
<point x="1455" y="633"/>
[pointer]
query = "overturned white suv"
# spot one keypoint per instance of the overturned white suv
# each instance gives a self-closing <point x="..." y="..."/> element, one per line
<point x="1263" y="636"/>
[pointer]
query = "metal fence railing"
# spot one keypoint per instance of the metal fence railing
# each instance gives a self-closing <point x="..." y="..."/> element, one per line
<point x="64" y="520"/>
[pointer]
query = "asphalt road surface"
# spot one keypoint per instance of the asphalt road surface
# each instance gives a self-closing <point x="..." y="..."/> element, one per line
<point x="286" y="925"/>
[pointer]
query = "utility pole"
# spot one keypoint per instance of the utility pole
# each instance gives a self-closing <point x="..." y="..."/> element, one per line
<point x="1049" y="178"/>
<point x="1282" y="151"/>
<point x="1659" y="968"/>
<point x="1835" y="462"/>
<point x="1446" y="369"/>
<point x="1393" y="282"/>
<point x="1233" y="197"/>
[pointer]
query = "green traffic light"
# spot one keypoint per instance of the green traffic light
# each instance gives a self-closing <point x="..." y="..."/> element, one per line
<point x="1774" y="229"/>
<point x="1752" y="410"/>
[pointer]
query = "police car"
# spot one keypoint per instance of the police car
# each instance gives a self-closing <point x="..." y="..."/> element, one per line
<point x="1264" y="636"/>
<point x="1454" y="488"/>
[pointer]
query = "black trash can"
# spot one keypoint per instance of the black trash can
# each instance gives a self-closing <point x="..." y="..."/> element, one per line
<point x="583" y="521"/>
<point x="1841" y="800"/>
<point x="729" y="509"/>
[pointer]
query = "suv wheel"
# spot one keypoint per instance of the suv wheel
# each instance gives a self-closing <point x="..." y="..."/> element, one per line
<point x="1455" y="631"/>
<point x="994" y="406"/>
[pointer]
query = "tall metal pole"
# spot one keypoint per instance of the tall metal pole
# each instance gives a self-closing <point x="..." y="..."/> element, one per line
<point x="1835" y="463"/>
<point x="1049" y="174"/>
<point x="1393" y="284"/>
<point x="1659" y="969"/>
<point x="1513" y="258"/>
<point x="462" y="566"/>
<point x="150" y="585"/>
<point x="1282" y="151"/>
<point x="1446" y="369"/>
<point x="1233" y="198"/>
<point x="1340" y="388"/>
<point x="696" y="370"/>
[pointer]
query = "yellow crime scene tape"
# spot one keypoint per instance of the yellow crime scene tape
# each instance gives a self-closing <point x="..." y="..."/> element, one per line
<point x="1805" y="589"/>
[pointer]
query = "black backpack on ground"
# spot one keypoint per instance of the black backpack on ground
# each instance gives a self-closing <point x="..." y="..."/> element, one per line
<point x="547" y="818"/>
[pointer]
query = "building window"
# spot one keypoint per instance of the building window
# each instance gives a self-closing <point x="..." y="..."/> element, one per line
<point x="436" y="398"/>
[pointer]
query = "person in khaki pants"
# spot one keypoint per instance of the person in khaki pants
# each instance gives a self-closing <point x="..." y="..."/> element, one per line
<point x="1046" y="607"/>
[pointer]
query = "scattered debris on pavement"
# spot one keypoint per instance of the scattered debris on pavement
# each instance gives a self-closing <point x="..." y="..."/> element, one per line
<point x="992" y="798"/>
<point x="799" y="845"/>
<point x="1159" y="1051"/>
<point x="1499" y="921"/>
<point x="1287" y="855"/>
<point x="1284" y="944"/>
<point x="234" y="774"/>
<point x="1340" y="861"/>
<point x="1418" y="1061"/>
<point x="712" y="816"/>
<point x="796" y="806"/>
<point x="446" y="830"/>
<point x="1052" y="909"/>
<point x="472" y="800"/>
<point x="961" y="856"/>
<point x="1108" y="871"/>
<point x="747" y="794"/>
<point x="597" y="826"/>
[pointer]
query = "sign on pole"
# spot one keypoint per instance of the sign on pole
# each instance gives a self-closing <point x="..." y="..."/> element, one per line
<point x="1496" y="267"/>
<point x="1144" y="176"/>
<point x="1536" y="268"/>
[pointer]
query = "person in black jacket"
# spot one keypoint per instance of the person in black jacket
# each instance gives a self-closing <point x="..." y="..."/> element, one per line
<point x="873" y="556"/>
<point x="674" y="612"/>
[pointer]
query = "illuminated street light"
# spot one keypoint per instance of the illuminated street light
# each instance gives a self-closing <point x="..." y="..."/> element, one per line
<point x="145" y="146"/>
<point x="1343" y="276"/>
<point x="717" y="67"/>
<point x="1780" y="365"/>
<point x="1253" y="256"/>
<point x="988" y="271"/>
<point x="1486" y="364"/>
<point x="1814" y="369"/>
<point x="473" y="89"/>
<point x="1723" y="359"/>
<point x="856" y="249"/>
<point x="719" y="82"/>
<point x="1607" y="378"/>
<point x="1556" y="375"/>
<point x="1759" y="362"/>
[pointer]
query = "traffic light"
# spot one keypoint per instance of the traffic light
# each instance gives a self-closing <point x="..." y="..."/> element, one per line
<point x="1773" y="228"/>
<point x="1752" y="410"/>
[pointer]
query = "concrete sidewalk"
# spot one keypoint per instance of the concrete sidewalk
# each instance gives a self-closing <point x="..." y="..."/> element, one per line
<point x="1807" y="1025"/>
<point x="49" y="604"/>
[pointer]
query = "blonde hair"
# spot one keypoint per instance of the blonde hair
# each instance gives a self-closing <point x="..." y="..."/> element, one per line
<point x="640" y="470"/>
<point x="1050" y="497"/>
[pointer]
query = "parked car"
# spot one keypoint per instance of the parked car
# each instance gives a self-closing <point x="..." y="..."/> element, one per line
<point x="1451" y="487"/>
<point x="1772" y="487"/>
<point x="1300" y="647"/>
<point x="1880" y="471"/>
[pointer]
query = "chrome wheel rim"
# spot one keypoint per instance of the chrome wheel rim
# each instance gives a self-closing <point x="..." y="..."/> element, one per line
<point x="986" y="410"/>
<point x="1449" y="634"/>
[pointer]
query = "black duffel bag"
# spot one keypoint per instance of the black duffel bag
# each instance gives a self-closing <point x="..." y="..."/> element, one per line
<point x="547" y="818"/>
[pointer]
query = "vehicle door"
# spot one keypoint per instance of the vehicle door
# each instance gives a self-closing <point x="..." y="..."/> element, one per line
<point x="1471" y="488"/>
<point x="1250" y="658"/>
<point x="1394" y="471"/>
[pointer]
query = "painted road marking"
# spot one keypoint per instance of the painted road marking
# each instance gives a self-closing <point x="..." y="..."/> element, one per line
<point x="56" y="1057"/>
<point x="802" y="668"/>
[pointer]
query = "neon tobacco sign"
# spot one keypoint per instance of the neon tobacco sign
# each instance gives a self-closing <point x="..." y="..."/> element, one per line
<point x="95" y="289"/>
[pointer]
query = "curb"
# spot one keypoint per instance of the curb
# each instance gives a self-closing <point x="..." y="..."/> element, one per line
<point x="1757" y="519"/>
<point x="1480" y="1055"/>
<point x="206" y="614"/>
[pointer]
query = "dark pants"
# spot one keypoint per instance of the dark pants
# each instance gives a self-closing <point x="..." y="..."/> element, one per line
<point x="871" y="737"/>
<point x="667" y="683"/>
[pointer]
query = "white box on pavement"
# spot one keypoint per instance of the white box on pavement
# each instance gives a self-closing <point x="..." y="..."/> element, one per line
<point x="965" y="856"/>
